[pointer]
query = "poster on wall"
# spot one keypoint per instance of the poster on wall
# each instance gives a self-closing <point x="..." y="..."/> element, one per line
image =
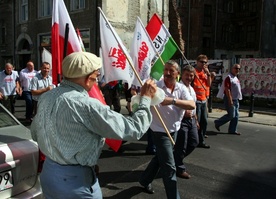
<point x="258" y="76"/>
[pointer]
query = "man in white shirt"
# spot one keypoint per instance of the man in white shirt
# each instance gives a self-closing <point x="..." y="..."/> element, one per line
<point x="9" y="87"/>
<point x="172" y="110"/>
<point x="25" y="76"/>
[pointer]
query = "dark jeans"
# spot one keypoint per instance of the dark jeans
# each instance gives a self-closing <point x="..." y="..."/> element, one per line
<point x="151" y="146"/>
<point x="162" y="162"/>
<point x="112" y="97"/>
<point x="27" y="96"/>
<point x="186" y="142"/>
<point x="8" y="102"/>
<point x="201" y="112"/>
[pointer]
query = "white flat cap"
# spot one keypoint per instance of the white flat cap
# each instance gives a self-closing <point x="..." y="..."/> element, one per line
<point x="79" y="64"/>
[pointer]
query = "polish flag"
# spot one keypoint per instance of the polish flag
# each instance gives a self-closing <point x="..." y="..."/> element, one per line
<point x="60" y="18"/>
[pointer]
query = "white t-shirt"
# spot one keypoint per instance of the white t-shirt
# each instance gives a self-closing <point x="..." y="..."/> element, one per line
<point x="25" y="78"/>
<point x="8" y="83"/>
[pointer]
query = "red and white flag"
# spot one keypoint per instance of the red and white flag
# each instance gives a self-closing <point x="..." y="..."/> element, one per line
<point x="142" y="52"/>
<point x="116" y="59"/>
<point x="60" y="18"/>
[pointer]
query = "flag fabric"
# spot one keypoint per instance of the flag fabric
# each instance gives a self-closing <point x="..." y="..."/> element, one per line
<point x="142" y="52"/>
<point x="96" y="93"/>
<point x="163" y="42"/>
<point x="60" y="18"/>
<point x="116" y="59"/>
<point x="80" y="40"/>
<point x="47" y="57"/>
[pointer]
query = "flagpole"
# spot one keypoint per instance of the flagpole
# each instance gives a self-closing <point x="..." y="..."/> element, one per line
<point x="140" y="81"/>
<point x="66" y="34"/>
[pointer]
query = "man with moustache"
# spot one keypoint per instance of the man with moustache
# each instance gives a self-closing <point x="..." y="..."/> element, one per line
<point x="171" y="110"/>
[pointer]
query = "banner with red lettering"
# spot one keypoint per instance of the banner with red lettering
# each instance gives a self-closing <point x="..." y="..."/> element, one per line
<point x="116" y="59"/>
<point x="142" y="52"/>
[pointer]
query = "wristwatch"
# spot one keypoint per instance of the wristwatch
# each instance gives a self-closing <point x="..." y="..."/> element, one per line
<point x="173" y="101"/>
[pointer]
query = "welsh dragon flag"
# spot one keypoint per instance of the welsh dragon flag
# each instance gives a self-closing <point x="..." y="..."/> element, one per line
<point x="142" y="52"/>
<point x="163" y="42"/>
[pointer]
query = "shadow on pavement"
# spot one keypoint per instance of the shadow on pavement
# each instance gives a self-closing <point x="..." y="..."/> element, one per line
<point x="126" y="193"/>
<point x="252" y="185"/>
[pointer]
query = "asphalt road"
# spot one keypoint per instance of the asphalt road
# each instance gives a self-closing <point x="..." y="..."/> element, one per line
<point x="237" y="167"/>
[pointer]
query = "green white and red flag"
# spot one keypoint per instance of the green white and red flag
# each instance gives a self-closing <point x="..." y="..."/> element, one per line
<point x="163" y="42"/>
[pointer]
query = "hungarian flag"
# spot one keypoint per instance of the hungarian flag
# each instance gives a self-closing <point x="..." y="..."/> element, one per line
<point x="60" y="18"/>
<point x="142" y="52"/>
<point x="163" y="42"/>
<point x="116" y="59"/>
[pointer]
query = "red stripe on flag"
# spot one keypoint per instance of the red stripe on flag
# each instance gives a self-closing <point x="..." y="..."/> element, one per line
<point x="154" y="26"/>
<point x="96" y="93"/>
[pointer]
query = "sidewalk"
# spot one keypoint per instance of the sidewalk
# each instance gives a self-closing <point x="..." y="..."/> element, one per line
<point x="264" y="116"/>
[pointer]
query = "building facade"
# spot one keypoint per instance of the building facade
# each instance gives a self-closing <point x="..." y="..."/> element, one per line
<point x="26" y="24"/>
<point x="228" y="29"/>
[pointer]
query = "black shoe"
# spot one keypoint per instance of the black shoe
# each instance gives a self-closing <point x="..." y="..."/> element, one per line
<point x="202" y="145"/>
<point x="217" y="127"/>
<point x="148" y="189"/>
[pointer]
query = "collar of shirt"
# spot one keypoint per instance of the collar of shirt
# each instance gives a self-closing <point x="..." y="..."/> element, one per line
<point x="74" y="85"/>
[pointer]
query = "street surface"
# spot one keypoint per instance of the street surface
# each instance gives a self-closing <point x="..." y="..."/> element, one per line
<point x="237" y="167"/>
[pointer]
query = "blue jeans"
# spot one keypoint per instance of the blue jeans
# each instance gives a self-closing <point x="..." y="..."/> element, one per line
<point x="69" y="181"/>
<point x="186" y="142"/>
<point x="232" y="116"/>
<point x="201" y="112"/>
<point x="27" y="95"/>
<point x="163" y="161"/>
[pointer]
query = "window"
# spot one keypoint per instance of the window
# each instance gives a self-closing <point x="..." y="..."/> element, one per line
<point x="85" y="36"/>
<point x="207" y="21"/>
<point x="230" y="7"/>
<point x="3" y="35"/>
<point x="45" y="8"/>
<point x="77" y="4"/>
<point x="23" y="10"/>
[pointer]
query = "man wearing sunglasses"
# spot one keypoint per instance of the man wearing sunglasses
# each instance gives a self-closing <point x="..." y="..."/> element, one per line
<point x="231" y="93"/>
<point x="202" y="82"/>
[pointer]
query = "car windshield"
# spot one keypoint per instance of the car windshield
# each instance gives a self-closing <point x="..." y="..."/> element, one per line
<point x="6" y="119"/>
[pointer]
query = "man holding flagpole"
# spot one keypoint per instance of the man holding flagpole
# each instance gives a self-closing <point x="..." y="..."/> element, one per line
<point x="172" y="110"/>
<point x="72" y="145"/>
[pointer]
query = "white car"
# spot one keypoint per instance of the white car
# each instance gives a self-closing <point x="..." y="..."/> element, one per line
<point x="20" y="162"/>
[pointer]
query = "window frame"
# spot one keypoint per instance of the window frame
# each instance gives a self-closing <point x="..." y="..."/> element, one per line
<point x="23" y="10"/>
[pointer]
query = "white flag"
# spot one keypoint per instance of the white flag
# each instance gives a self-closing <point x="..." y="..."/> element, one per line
<point x="47" y="57"/>
<point x="115" y="55"/>
<point x="142" y="52"/>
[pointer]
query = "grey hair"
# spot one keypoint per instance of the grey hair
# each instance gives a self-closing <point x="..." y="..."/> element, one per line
<point x="188" y="68"/>
<point x="174" y="63"/>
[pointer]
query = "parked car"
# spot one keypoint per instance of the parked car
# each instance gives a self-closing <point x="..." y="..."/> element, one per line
<point x="19" y="159"/>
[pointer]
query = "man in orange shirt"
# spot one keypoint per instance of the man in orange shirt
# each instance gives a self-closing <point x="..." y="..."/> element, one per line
<point x="202" y="82"/>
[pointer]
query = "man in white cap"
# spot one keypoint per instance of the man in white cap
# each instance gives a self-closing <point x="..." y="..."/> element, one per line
<point x="70" y="128"/>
